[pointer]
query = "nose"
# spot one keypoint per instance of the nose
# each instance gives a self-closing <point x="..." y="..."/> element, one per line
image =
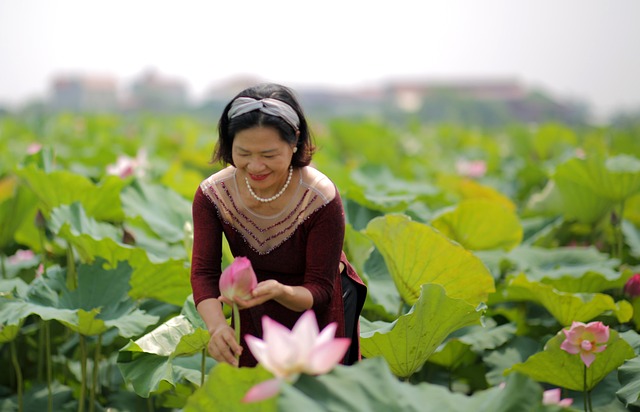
<point x="255" y="166"/>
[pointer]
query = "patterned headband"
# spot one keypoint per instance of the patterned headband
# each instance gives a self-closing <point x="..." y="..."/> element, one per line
<point x="274" y="107"/>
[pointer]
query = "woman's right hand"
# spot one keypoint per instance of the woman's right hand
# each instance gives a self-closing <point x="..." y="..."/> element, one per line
<point x="223" y="346"/>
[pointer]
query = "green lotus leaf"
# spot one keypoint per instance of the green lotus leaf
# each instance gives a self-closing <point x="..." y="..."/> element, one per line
<point x="101" y="201"/>
<point x="226" y="386"/>
<point x="629" y="377"/>
<point x="558" y="367"/>
<point x="632" y="237"/>
<point x="9" y="332"/>
<point x="416" y="254"/>
<point x="369" y="386"/>
<point x="480" y="224"/>
<point x="407" y="343"/>
<point x="565" y="307"/>
<point x="164" y="210"/>
<point x="452" y="354"/>
<point x="569" y="269"/>
<point x="102" y="302"/>
<point x="17" y="205"/>
<point x="590" y="187"/>
<point x="515" y="351"/>
<point x="167" y="281"/>
<point x="159" y="352"/>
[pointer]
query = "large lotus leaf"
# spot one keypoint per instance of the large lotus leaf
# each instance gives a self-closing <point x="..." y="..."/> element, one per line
<point x="407" y="343"/>
<point x="375" y="187"/>
<point x="102" y="301"/>
<point x="629" y="377"/>
<point x="101" y="201"/>
<point x="558" y="367"/>
<point x="417" y="254"/>
<point x="564" y="307"/>
<point x="368" y="386"/>
<point x="480" y="224"/>
<point x="569" y="269"/>
<point x="226" y="386"/>
<point x="468" y="189"/>
<point x="383" y="300"/>
<point x="167" y="281"/>
<point x="17" y="204"/>
<point x="591" y="187"/>
<point x="155" y="353"/>
<point x="162" y="208"/>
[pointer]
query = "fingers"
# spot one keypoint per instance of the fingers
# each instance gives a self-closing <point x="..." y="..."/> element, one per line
<point x="223" y="346"/>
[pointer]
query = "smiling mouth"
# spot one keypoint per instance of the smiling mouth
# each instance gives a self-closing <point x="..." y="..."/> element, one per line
<point x="258" y="177"/>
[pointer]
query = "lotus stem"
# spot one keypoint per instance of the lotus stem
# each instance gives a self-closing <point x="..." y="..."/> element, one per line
<point x="587" y="393"/>
<point x="236" y="324"/>
<point x="47" y="340"/>
<point x="202" y="366"/>
<point x="94" y="381"/>
<point x="72" y="274"/>
<point x="16" y="366"/>
<point x="83" y="376"/>
<point x="3" y="267"/>
<point x="619" y="234"/>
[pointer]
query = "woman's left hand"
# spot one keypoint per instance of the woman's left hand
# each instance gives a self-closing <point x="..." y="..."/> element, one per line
<point x="264" y="291"/>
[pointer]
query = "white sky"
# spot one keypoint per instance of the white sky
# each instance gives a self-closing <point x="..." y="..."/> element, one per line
<point x="587" y="49"/>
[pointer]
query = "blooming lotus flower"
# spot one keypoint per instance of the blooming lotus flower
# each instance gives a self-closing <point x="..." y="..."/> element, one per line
<point x="632" y="287"/>
<point x="585" y="339"/>
<point x="288" y="353"/>
<point x="554" y="397"/>
<point x="238" y="279"/>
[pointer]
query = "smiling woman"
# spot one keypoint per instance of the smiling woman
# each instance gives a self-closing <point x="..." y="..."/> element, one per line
<point x="285" y="216"/>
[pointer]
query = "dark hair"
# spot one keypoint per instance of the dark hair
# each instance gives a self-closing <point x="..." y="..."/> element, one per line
<point x="227" y="128"/>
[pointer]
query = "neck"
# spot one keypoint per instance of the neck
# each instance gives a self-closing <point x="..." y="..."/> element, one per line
<point x="274" y="197"/>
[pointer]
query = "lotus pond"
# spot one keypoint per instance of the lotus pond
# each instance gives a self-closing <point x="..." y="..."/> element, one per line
<point x="481" y="250"/>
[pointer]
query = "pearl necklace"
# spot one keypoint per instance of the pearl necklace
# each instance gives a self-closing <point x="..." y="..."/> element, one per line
<point x="274" y="197"/>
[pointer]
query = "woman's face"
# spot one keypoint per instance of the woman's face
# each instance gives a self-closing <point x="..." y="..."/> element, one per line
<point x="260" y="154"/>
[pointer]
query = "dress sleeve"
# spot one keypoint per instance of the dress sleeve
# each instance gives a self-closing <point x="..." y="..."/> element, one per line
<point x="206" y="259"/>
<point x="324" y="247"/>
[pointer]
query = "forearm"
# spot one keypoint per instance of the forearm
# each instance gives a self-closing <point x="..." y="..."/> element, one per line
<point x="210" y="311"/>
<point x="296" y="298"/>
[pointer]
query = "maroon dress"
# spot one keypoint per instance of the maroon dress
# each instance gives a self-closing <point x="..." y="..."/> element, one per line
<point x="300" y="246"/>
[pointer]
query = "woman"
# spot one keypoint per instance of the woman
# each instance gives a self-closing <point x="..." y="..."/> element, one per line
<point x="282" y="214"/>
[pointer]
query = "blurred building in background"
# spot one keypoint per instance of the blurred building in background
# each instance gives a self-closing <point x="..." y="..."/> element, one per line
<point x="157" y="93"/>
<point x="481" y="102"/>
<point x="80" y="93"/>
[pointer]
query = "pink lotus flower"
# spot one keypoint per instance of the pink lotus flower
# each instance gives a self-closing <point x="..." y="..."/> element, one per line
<point x="288" y="353"/>
<point x="554" y="397"/>
<point x="632" y="287"/>
<point x="20" y="256"/>
<point x="471" y="168"/>
<point x="587" y="340"/>
<point x="238" y="279"/>
<point x="126" y="166"/>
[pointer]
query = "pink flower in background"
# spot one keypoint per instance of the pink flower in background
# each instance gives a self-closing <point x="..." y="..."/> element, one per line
<point x="554" y="397"/>
<point x="288" y="353"/>
<point x="21" y="256"/>
<point x="34" y="148"/>
<point x="585" y="339"/>
<point x="471" y="168"/>
<point x="632" y="287"/>
<point x="238" y="279"/>
<point x="126" y="166"/>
